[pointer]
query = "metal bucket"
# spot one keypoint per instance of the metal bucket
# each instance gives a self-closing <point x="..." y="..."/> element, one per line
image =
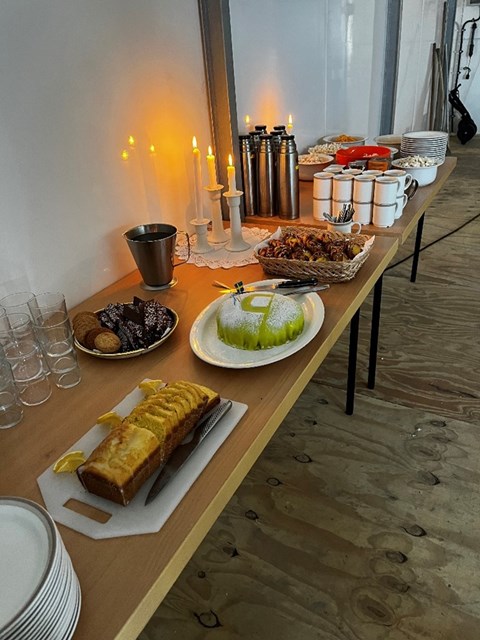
<point x="153" y="249"/>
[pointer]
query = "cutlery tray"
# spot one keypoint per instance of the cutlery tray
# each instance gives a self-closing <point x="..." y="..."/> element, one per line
<point x="59" y="488"/>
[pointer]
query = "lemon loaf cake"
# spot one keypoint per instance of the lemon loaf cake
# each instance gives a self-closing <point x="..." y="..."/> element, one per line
<point x="144" y="439"/>
<point x="259" y="320"/>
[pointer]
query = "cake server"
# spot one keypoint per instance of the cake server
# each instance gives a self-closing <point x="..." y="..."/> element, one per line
<point x="239" y="287"/>
<point x="182" y="453"/>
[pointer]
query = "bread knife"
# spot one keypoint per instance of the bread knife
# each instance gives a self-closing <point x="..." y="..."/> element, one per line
<point x="183" y="452"/>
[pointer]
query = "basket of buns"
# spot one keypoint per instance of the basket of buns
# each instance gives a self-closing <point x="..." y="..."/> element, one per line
<point x="303" y="252"/>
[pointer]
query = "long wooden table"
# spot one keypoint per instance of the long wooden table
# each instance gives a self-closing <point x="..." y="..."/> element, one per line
<point x="123" y="580"/>
<point x="412" y="218"/>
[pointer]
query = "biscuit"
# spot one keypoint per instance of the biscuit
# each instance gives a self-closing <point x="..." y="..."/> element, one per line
<point x="82" y="326"/>
<point x="107" y="342"/>
<point x="89" y="340"/>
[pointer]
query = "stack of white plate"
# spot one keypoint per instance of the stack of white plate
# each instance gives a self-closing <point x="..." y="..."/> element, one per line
<point x="39" y="591"/>
<point x="432" y="144"/>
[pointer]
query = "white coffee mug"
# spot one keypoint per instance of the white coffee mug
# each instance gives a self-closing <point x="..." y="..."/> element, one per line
<point x="320" y="207"/>
<point x="335" y="168"/>
<point x="373" y="172"/>
<point x="342" y="187"/>
<point x="404" y="179"/>
<point x="401" y="202"/>
<point x="352" y="172"/>
<point x="322" y="185"/>
<point x="344" y="227"/>
<point x="363" y="188"/>
<point x="386" y="190"/>
<point x="363" y="212"/>
<point x="384" y="215"/>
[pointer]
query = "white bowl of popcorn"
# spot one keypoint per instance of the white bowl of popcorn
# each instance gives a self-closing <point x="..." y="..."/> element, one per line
<point x="310" y="163"/>
<point x="422" y="168"/>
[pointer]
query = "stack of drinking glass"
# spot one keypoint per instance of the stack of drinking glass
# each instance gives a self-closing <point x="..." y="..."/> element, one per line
<point x="36" y="346"/>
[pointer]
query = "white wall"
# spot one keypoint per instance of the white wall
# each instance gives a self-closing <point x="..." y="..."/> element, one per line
<point x="470" y="89"/>
<point x="77" y="78"/>
<point x="320" y="60"/>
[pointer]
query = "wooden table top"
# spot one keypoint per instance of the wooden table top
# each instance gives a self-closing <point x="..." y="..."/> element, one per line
<point x="123" y="580"/>
<point x="402" y="228"/>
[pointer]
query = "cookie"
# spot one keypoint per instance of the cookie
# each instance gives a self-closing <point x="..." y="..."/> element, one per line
<point x="107" y="342"/>
<point x="89" y="340"/>
<point x="84" y="324"/>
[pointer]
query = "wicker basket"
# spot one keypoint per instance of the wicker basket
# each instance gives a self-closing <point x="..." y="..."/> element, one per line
<point x="324" y="271"/>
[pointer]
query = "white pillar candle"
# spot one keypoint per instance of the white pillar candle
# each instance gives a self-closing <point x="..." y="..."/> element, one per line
<point x="212" y="169"/>
<point x="198" y="179"/>
<point x="232" y="185"/>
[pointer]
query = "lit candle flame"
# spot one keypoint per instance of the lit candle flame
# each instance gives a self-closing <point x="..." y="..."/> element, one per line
<point x="230" y="161"/>
<point x="151" y="148"/>
<point x="210" y="150"/>
<point x="247" y="119"/>
<point x="290" y="121"/>
<point x="194" y="142"/>
<point x="124" y="154"/>
<point x="131" y="141"/>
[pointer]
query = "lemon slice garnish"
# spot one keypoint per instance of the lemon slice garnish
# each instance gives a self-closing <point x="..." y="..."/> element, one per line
<point x="69" y="462"/>
<point x="111" y="418"/>
<point x="150" y="387"/>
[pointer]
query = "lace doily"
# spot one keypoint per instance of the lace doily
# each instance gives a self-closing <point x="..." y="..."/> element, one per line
<point x="219" y="257"/>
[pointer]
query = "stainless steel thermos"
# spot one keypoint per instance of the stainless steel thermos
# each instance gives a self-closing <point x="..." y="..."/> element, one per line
<point x="287" y="178"/>
<point x="266" y="177"/>
<point x="270" y="173"/>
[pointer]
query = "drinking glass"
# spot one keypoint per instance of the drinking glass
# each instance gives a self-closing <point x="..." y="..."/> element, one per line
<point x="54" y="333"/>
<point x="11" y="411"/>
<point x="17" y="302"/>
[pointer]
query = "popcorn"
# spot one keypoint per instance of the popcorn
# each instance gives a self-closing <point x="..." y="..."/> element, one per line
<point x="416" y="161"/>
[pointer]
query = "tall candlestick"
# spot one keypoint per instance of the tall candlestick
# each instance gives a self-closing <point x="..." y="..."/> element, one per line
<point x="232" y="184"/>
<point x="212" y="169"/>
<point x="198" y="179"/>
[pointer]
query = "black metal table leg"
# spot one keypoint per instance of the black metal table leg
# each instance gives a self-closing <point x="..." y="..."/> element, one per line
<point x="416" y="253"/>
<point x="352" y="362"/>
<point x="374" y="330"/>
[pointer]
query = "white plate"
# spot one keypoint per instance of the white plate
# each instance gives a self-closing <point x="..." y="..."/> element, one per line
<point x="27" y="541"/>
<point x="208" y="347"/>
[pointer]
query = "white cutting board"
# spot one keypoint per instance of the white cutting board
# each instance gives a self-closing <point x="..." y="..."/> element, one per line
<point x="135" y="518"/>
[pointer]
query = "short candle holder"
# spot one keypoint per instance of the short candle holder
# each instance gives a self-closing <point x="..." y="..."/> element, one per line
<point x="202" y="245"/>
<point x="236" y="242"/>
<point x="217" y="235"/>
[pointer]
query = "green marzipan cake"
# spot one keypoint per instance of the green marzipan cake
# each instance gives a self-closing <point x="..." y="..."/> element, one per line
<point x="259" y="320"/>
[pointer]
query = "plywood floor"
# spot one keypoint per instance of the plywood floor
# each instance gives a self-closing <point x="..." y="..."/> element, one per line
<point x="365" y="527"/>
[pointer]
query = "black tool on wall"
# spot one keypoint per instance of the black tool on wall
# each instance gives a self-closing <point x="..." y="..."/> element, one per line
<point x="466" y="127"/>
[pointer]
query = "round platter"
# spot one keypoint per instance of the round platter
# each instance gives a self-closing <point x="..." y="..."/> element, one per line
<point x="28" y="542"/>
<point x="137" y="352"/>
<point x="208" y="347"/>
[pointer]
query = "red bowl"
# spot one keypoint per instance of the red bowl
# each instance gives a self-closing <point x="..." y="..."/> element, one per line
<point x="344" y="156"/>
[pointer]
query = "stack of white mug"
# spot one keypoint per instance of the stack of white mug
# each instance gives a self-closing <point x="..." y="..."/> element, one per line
<point x="377" y="197"/>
